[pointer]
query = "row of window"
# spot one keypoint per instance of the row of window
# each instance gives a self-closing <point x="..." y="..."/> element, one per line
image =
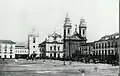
<point x="101" y="52"/>
<point x="106" y="45"/>
<point x="58" y="55"/>
<point x="85" y="48"/>
<point x="6" y="52"/>
<point x="21" y="51"/>
<point x="105" y="52"/>
<point x="5" y="56"/>
<point x="6" y="46"/>
<point x="58" y="48"/>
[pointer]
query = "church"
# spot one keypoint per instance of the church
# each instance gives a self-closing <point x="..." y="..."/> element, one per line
<point x="73" y="40"/>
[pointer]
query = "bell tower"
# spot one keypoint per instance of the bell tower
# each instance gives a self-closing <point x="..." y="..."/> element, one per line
<point x="33" y="43"/>
<point x="82" y="28"/>
<point x="68" y="26"/>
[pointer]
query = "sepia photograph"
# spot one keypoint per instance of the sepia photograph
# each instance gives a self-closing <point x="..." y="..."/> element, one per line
<point x="59" y="38"/>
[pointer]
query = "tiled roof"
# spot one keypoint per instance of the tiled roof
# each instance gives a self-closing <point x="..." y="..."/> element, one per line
<point x="7" y="41"/>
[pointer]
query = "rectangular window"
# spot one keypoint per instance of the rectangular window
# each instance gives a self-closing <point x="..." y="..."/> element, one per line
<point x="33" y="40"/>
<point x="112" y="52"/>
<point x="68" y="31"/>
<point x="99" y="52"/>
<point x="10" y="56"/>
<point x="5" y="46"/>
<point x="108" y="44"/>
<point x="112" y="43"/>
<point x="50" y="55"/>
<point x="102" y="45"/>
<point x="102" y="52"/>
<point x="83" y="32"/>
<point x="108" y="52"/>
<point x="58" y="48"/>
<point x="54" y="47"/>
<point x="5" y="51"/>
<point x="50" y="47"/>
<point x="116" y="45"/>
<point x="89" y="49"/>
<point x="105" y="45"/>
<point x="105" y="52"/>
<point x="5" y="56"/>
<point x="11" y="47"/>
<point x="96" y="46"/>
<point x="99" y="46"/>
<point x="10" y="52"/>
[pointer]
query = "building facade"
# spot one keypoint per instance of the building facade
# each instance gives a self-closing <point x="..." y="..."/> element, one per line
<point x="52" y="47"/>
<point x="7" y="49"/>
<point x="107" y="48"/>
<point x="21" y="50"/>
<point x="87" y="49"/>
<point x="33" y="43"/>
<point x="75" y="39"/>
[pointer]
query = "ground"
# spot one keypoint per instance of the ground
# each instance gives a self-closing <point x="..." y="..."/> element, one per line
<point x="56" y="68"/>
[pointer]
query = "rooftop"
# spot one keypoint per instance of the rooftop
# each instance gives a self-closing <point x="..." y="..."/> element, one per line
<point x="21" y="45"/>
<point x="88" y="44"/>
<point x="7" y="42"/>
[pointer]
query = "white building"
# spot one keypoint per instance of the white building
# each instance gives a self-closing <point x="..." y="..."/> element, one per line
<point x="107" y="45"/>
<point x="21" y="50"/>
<point x="33" y="43"/>
<point x="52" y="47"/>
<point x="7" y="49"/>
<point x="107" y="48"/>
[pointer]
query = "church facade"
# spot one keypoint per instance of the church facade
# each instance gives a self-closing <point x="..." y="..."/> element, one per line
<point x="52" y="47"/>
<point x="74" y="40"/>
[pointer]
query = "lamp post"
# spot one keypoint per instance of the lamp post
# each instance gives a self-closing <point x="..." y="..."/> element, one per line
<point x="69" y="53"/>
<point x="64" y="47"/>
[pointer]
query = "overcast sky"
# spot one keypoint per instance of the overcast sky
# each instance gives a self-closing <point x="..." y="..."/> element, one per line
<point x="18" y="17"/>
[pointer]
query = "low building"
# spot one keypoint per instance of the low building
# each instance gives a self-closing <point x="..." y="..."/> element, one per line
<point x="7" y="49"/>
<point x="87" y="49"/>
<point x="107" y="48"/>
<point x="52" y="47"/>
<point x="21" y="50"/>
